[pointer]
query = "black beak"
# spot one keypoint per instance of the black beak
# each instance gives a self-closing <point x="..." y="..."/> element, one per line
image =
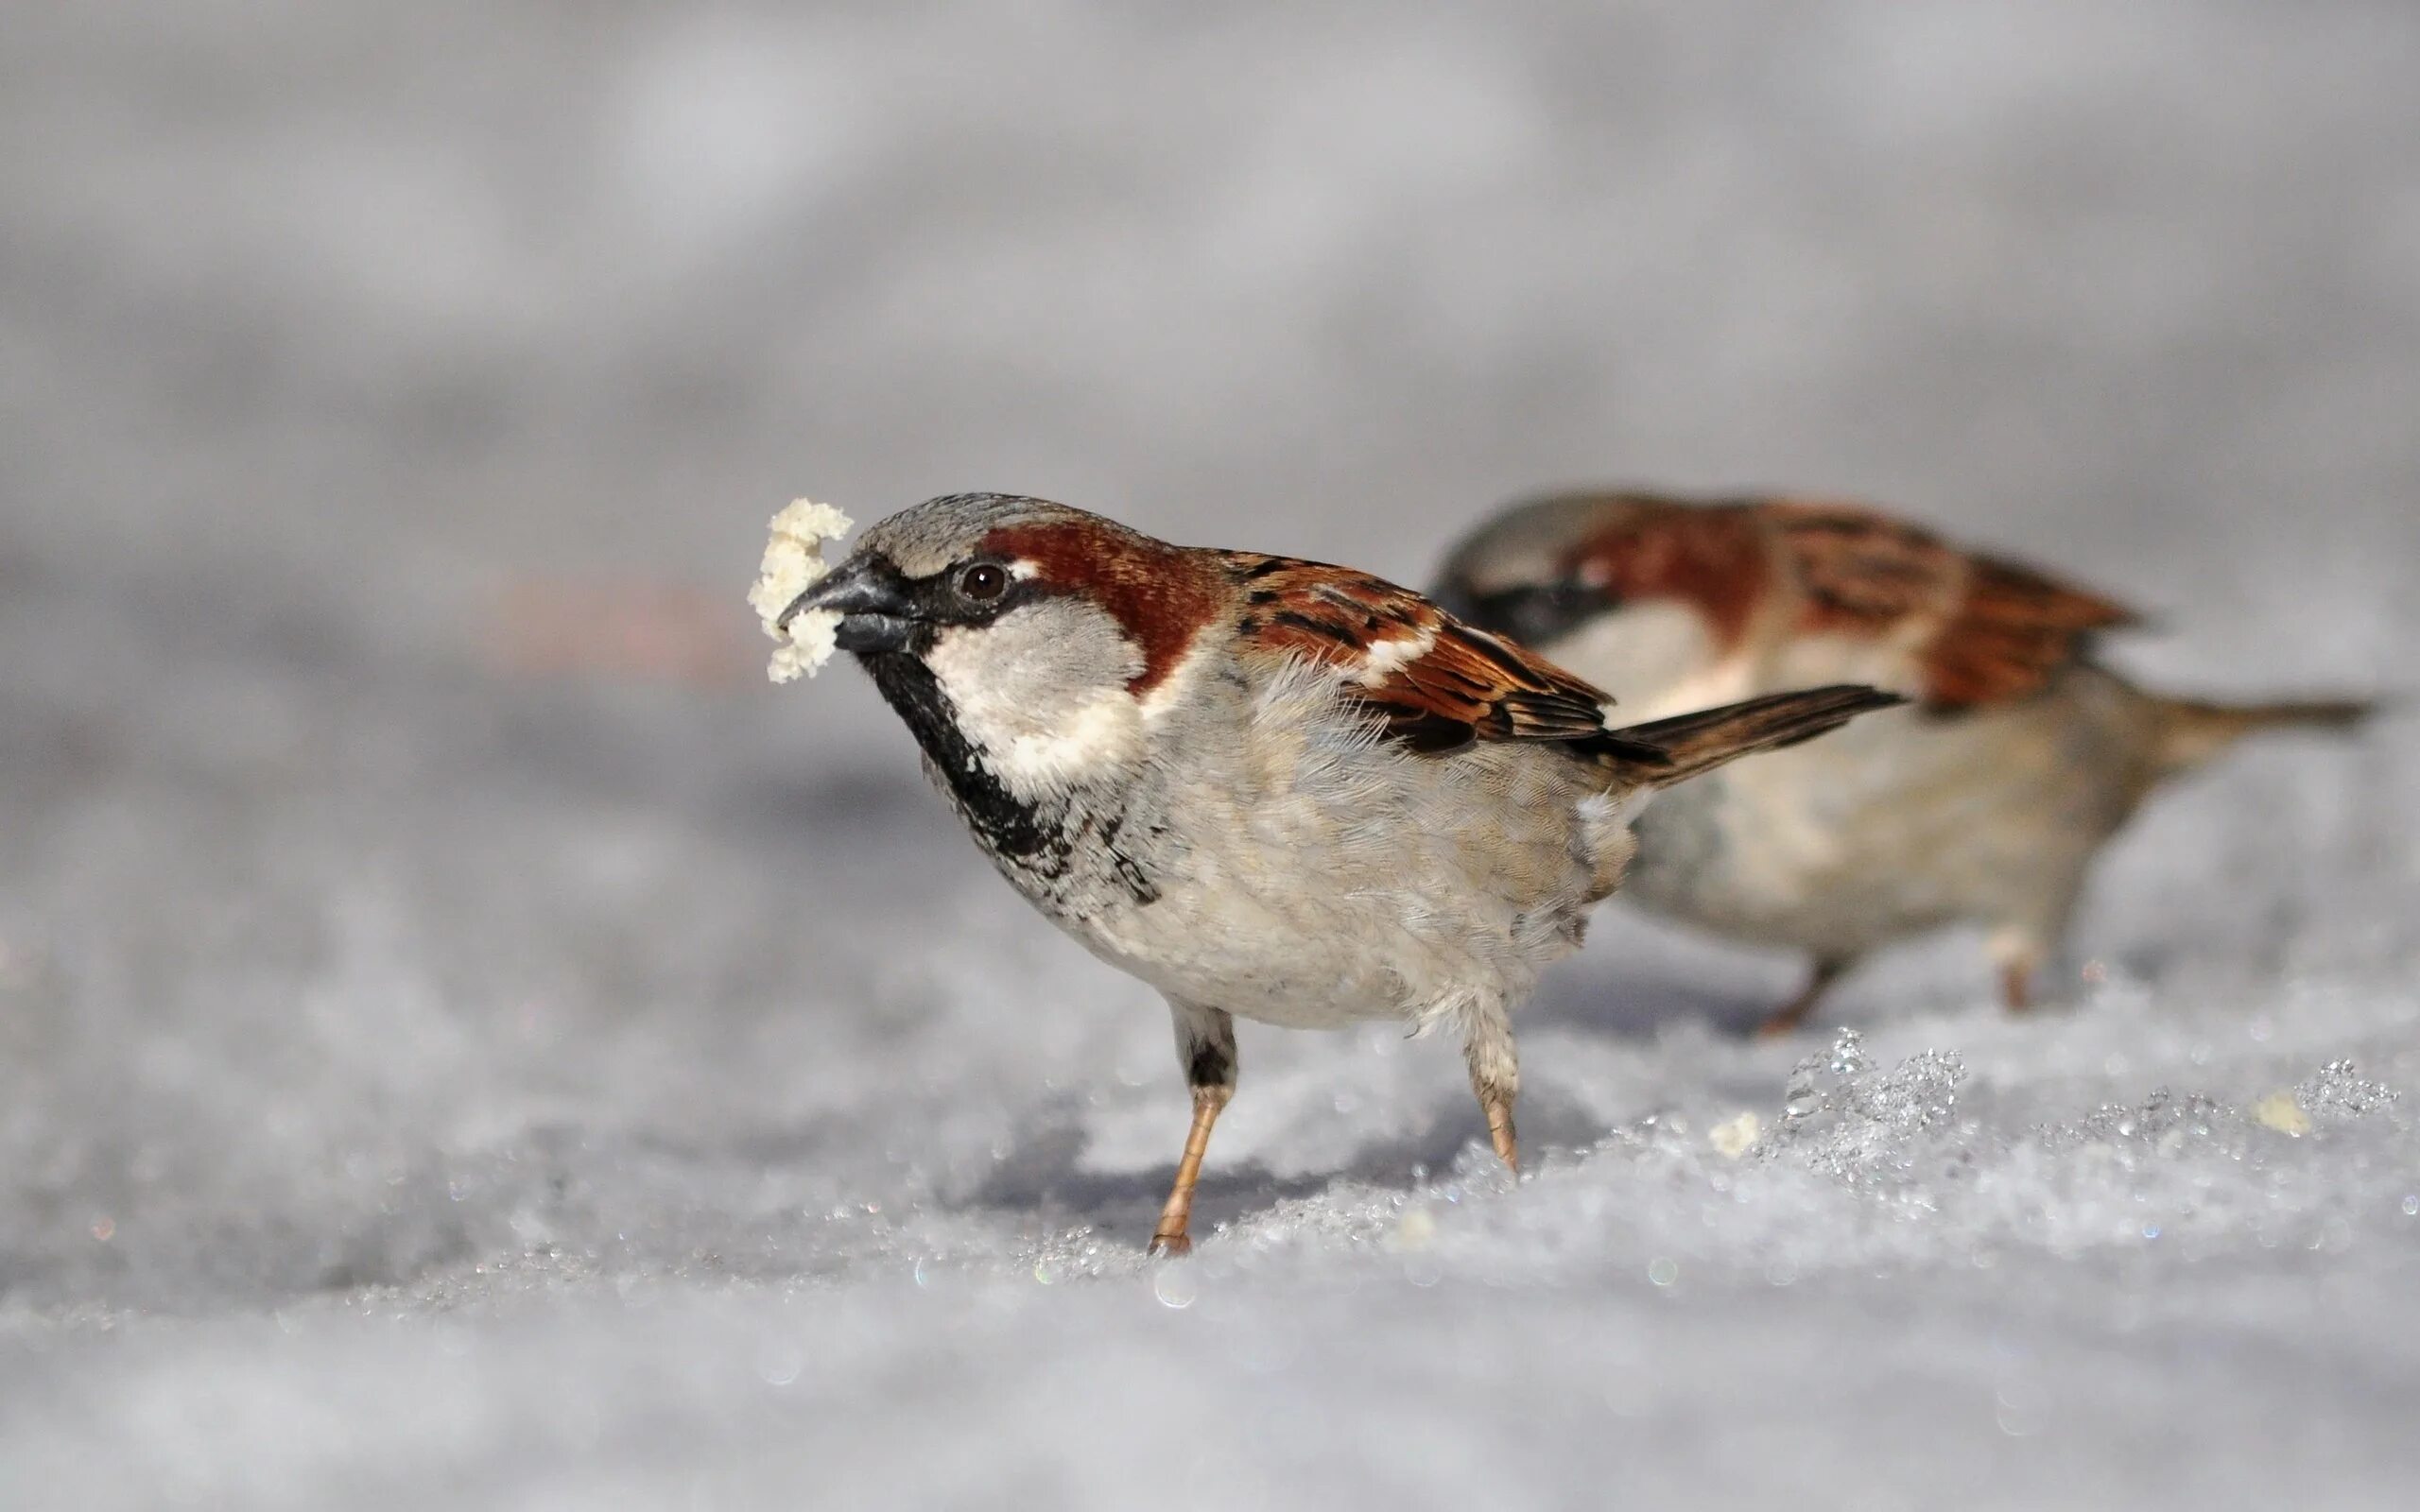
<point x="872" y="600"/>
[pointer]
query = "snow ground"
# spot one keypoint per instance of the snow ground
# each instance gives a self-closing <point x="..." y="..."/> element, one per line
<point x="429" y="1081"/>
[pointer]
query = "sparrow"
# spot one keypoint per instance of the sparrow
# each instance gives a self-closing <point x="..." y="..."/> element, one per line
<point x="1983" y="801"/>
<point x="1268" y="788"/>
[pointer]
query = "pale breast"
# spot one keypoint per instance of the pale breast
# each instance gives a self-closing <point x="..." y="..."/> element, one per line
<point x="1310" y="876"/>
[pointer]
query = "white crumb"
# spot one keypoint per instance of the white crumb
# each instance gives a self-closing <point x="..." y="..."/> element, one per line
<point x="2279" y="1111"/>
<point x="1733" y="1137"/>
<point x="793" y="563"/>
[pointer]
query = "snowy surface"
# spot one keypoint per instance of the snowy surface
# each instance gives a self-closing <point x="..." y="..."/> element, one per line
<point x="435" y="1071"/>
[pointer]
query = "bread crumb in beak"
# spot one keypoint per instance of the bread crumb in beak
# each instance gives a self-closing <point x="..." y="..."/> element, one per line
<point x="794" y="563"/>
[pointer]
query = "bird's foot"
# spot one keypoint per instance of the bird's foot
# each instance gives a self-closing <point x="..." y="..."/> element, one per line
<point x="1170" y="1245"/>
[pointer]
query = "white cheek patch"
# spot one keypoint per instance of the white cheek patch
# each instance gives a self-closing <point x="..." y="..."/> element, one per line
<point x="1655" y="659"/>
<point x="1036" y="739"/>
<point x="1103" y="734"/>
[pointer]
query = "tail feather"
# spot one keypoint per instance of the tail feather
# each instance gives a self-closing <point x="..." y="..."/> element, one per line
<point x="2191" y="732"/>
<point x="1701" y="742"/>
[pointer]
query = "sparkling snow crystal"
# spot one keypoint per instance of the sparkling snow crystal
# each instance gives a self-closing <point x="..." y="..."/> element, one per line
<point x="2337" y="1090"/>
<point x="793" y="563"/>
<point x="1843" y="1114"/>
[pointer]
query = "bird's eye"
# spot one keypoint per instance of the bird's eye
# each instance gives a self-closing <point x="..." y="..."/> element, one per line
<point x="984" y="580"/>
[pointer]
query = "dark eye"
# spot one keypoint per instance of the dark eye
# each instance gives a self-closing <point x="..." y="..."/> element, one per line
<point x="982" y="581"/>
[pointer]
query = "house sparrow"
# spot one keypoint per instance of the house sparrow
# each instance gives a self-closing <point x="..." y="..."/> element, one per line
<point x="1985" y="801"/>
<point x="1266" y="787"/>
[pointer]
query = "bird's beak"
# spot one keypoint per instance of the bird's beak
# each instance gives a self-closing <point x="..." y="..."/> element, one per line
<point x="871" y="599"/>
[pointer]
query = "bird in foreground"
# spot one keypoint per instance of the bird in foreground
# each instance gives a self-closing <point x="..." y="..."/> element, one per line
<point x="1983" y="803"/>
<point x="1265" y="787"/>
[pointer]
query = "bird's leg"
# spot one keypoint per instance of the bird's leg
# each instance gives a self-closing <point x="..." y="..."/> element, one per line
<point x="1496" y="1102"/>
<point x="2018" y="952"/>
<point x="1173" y="1236"/>
<point x="1206" y="1045"/>
<point x="1785" y="1019"/>
<point x="2032" y="938"/>
<point x="1496" y="1076"/>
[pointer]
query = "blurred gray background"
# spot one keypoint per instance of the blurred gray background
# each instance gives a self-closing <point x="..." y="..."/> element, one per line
<point x="413" y="906"/>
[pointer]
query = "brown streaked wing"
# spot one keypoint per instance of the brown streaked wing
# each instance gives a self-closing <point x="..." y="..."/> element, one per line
<point x="2012" y="631"/>
<point x="1986" y="630"/>
<point x="1437" y="683"/>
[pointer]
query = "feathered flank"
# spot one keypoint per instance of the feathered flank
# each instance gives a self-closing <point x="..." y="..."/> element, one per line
<point x="1435" y="683"/>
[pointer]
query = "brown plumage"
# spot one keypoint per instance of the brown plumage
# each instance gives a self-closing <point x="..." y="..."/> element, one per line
<point x="1984" y="630"/>
<point x="1984" y="804"/>
<point x="1437" y="683"/>
<point x="1269" y="788"/>
<point x="1973" y="630"/>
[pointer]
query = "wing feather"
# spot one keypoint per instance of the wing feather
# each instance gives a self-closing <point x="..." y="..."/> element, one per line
<point x="1435" y="683"/>
<point x="1981" y="631"/>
